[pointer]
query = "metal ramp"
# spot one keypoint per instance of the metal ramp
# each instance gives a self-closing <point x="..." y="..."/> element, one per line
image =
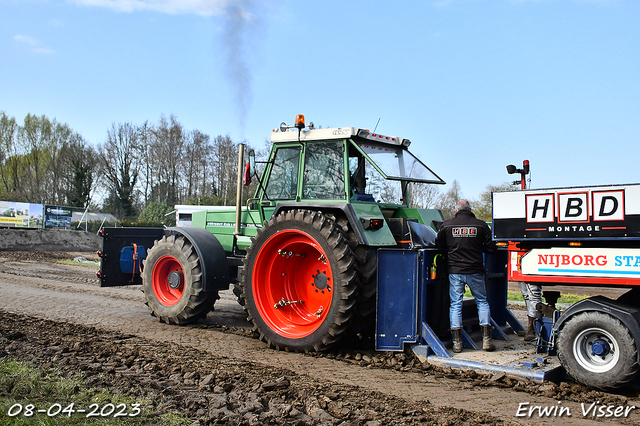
<point x="413" y="308"/>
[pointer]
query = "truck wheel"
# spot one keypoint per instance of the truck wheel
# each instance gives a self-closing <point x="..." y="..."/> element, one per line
<point x="172" y="282"/>
<point x="597" y="350"/>
<point x="300" y="282"/>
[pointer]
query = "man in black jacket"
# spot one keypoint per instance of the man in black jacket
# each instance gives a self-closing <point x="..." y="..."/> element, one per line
<point x="466" y="238"/>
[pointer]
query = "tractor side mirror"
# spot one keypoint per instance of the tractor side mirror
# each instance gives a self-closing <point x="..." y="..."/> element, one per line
<point x="252" y="162"/>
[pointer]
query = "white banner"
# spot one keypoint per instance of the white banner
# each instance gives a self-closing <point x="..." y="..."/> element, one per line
<point x="583" y="262"/>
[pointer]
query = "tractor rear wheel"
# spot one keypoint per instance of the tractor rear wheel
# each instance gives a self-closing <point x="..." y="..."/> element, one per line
<point x="363" y="323"/>
<point x="597" y="350"/>
<point x="172" y="282"/>
<point x="299" y="282"/>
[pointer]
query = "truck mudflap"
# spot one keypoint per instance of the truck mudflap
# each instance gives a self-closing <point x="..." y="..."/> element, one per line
<point x="123" y="250"/>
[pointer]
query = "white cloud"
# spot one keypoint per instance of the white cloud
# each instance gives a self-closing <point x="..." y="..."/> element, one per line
<point x="597" y="1"/>
<point x="34" y="43"/>
<point x="44" y="50"/>
<point x="199" y="7"/>
<point x="57" y="23"/>
<point x="25" y="39"/>
<point x="575" y="1"/>
<point x="446" y="3"/>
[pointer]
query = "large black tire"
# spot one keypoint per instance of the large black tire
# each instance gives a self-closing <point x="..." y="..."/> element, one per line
<point x="237" y="291"/>
<point x="597" y="350"/>
<point x="300" y="282"/>
<point x="365" y="312"/>
<point x="172" y="282"/>
<point x="363" y="323"/>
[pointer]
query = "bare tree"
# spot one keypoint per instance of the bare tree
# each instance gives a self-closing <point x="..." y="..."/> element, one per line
<point x="446" y="202"/>
<point x="81" y="164"/>
<point x="169" y="145"/>
<point x="195" y="163"/>
<point x="174" y="154"/>
<point x="148" y="171"/>
<point x="56" y="162"/>
<point x="422" y="195"/>
<point x="226" y="154"/>
<point x="9" y="164"/>
<point x="34" y="136"/>
<point x="119" y="157"/>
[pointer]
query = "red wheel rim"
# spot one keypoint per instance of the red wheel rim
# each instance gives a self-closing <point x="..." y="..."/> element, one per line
<point x="168" y="280"/>
<point x="292" y="283"/>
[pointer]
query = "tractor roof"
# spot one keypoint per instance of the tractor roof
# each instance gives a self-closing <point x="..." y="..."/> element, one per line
<point x="394" y="161"/>
<point x="295" y="135"/>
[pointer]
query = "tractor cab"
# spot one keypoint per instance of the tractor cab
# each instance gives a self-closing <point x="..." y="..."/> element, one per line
<point x="364" y="174"/>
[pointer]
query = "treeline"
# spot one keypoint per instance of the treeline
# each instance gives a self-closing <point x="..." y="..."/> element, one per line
<point x="141" y="171"/>
<point x="139" y="167"/>
<point x="43" y="161"/>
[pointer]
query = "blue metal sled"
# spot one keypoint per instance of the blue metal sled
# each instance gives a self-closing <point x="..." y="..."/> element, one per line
<point x="413" y="308"/>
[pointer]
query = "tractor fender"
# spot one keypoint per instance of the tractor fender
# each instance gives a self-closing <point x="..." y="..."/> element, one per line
<point x="215" y="267"/>
<point x="345" y="208"/>
<point x="627" y="314"/>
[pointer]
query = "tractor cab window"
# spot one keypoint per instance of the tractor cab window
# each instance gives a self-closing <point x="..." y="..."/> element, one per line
<point x="398" y="163"/>
<point x="377" y="171"/>
<point x="324" y="171"/>
<point x="367" y="184"/>
<point x="283" y="179"/>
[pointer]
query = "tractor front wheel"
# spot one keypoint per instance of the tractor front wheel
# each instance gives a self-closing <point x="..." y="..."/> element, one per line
<point x="300" y="282"/>
<point x="172" y="282"/>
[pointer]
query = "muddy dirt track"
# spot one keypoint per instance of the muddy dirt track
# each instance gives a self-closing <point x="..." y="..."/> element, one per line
<point x="216" y="372"/>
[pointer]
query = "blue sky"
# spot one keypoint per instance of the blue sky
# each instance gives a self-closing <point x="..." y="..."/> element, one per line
<point x="475" y="84"/>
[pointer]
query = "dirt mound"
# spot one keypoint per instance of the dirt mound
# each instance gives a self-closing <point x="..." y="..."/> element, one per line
<point x="207" y="388"/>
<point x="13" y="239"/>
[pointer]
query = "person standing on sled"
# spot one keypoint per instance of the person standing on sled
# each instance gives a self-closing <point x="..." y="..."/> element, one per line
<point x="466" y="238"/>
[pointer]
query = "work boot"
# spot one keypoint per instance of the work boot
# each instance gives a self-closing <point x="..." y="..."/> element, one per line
<point x="457" y="339"/>
<point x="530" y="333"/>
<point x="487" y="344"/>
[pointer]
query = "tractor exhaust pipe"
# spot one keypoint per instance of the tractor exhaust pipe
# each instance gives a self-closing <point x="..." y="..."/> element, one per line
<point x="239" y="190"/>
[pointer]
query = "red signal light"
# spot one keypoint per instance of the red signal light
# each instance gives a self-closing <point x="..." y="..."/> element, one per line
<point x="372" y="223"/>
<point x="376" y="223"/>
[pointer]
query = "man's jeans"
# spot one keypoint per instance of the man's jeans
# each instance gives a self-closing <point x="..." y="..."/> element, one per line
<point x="456" y="293"/>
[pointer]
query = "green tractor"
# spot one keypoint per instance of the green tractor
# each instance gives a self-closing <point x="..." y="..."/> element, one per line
<point x="302" y="253"/>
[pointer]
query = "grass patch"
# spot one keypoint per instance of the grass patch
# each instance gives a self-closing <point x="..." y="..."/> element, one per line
<point x="22" y="384"/>
<point x="517" y="296"/>
<point x="571" y="298"/>
<point x="73" y="262"/>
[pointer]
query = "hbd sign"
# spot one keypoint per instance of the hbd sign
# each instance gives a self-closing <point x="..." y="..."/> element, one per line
<point x="569" y="213"/>
<point x="576" y="207"/>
